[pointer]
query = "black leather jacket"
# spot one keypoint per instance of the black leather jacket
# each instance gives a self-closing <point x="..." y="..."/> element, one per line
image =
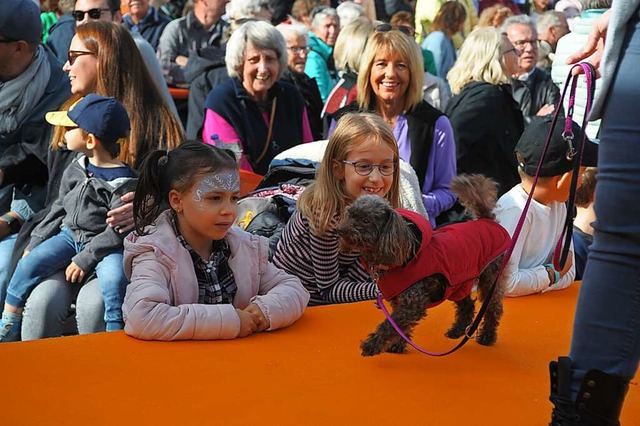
<point x="535" y="92"/>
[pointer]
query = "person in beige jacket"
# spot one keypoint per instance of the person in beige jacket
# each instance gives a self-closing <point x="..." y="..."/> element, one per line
<point x="193" y="275"/>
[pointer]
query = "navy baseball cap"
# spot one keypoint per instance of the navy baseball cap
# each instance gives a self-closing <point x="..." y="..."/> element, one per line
<point x="20" y="20"/>
<point x="556" y="161"/>
<point x="104" y="117"/>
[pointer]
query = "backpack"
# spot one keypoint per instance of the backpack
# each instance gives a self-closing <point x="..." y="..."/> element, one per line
<point x="266" y="210"/>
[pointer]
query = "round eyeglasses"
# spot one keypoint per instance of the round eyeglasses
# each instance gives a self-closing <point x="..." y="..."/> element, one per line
<point x="298" y="50"/>
<point x="364" y="169"/>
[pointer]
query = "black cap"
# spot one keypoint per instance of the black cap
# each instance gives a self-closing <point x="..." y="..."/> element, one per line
<point x="558" y="160"/>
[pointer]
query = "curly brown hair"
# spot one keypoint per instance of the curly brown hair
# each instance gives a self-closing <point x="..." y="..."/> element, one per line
<point x="494" y="16"/>
<point x="587" y="189"/>
<point x="449" y="18"/>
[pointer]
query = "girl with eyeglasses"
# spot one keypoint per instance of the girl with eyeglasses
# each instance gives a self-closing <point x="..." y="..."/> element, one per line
<point x="361" y="158"/>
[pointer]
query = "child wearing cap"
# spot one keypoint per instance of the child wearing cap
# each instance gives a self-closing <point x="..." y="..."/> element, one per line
<point x="74" y="235"/>
<point x="530" y="269"/>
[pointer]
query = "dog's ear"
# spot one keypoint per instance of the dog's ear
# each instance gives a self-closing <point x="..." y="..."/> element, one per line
<point x="394" y="247"/>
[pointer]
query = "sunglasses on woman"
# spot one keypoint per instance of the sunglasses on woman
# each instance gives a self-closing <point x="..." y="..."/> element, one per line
<point x="402" y="28"/>
<point x="72" y="55"/>
<point x="78" y="15"/>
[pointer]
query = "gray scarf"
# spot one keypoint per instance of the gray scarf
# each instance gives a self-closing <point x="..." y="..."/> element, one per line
<point x="18" y="97"/>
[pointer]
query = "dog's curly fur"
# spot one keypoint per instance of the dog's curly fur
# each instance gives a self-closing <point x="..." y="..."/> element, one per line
<point x="384" y="239"/>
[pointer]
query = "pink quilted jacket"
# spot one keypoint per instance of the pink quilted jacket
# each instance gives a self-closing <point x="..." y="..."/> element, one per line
<point x="161" y="303"/>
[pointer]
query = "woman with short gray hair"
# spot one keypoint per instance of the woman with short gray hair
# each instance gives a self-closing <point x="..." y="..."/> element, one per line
<point x="297" y="40"/>
<point x="253" y="113"/>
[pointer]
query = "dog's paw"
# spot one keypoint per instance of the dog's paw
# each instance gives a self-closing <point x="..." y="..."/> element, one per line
<point x="398" y="348"/>
<point x="455" y="332"/>
<point x="487" y="339"/>
<point x="370" y="347"/>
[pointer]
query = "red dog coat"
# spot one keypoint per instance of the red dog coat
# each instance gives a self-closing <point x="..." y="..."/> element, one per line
<point x="460" y="252"/>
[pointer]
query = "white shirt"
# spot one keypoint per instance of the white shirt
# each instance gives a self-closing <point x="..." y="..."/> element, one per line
<point x="525" y="273"/>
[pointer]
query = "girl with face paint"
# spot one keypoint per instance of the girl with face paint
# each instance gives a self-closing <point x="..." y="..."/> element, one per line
<point x="194" y="275"/>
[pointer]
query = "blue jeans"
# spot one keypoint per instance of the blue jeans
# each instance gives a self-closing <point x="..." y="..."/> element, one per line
<point x="46" y="313"/>
<point x="54" y="255"/>
<point x="6" y="250"/>
<point x="606" y="332"/>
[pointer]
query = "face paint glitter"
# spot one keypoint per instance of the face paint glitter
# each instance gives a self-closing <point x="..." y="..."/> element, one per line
<point x="228" y="181"/>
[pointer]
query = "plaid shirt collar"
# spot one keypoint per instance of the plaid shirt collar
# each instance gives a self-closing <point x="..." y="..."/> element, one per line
<point x="216" y="283"/>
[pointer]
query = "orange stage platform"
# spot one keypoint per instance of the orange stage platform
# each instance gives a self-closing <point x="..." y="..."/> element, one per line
<point x="308" y="374"/>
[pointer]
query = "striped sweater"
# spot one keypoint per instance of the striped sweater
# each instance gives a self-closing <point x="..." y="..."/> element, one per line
<point x="328" y="275"/>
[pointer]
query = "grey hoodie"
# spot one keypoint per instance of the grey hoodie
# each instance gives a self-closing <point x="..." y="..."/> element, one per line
<point x="82" y="206"/>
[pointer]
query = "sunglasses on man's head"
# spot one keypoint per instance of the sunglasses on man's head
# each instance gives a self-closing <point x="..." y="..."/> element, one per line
<point x="402" y="28"/>
<point x="78" y="15"/>
<point x="72" y="55"/>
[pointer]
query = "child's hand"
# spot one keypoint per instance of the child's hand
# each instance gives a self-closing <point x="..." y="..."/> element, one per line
<point x="261" y="321"/>
<point x="73" y="273"/>
<point x="248" y="323"/>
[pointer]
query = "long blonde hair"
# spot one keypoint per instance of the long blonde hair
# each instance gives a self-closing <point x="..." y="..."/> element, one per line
<point x="480" y="59"/>
<point x="397" y="43"/>
<point x="327" y="197"/>
<point x="123" y="75"/>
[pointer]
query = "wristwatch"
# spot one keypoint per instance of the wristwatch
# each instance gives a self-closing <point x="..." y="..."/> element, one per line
<point x="12" y="221"/>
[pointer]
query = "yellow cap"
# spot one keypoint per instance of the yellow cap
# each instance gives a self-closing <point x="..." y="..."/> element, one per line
<point x="61" y="118"/>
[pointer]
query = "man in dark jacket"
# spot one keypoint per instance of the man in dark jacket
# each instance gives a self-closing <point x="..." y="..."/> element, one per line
<point x="533" y="89"/>
<point x="205" y="70"/>
<point x="60" y="35"/>
<point x="145" y="20"/>
<point x="200" y="28"/>
<point x="32" y="83"/>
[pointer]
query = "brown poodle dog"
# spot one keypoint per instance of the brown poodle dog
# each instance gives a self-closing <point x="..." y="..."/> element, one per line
<point x="417" y="267"/>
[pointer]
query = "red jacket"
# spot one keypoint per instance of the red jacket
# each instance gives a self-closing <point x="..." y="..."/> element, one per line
<point x="460" y="252"/>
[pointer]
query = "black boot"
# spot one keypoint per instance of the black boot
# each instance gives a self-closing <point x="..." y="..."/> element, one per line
<point x="599" y="401"/>
<point x="563" y="411"/>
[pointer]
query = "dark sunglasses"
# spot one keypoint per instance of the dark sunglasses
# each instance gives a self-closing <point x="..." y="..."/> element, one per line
<point x="402" y="28"/>
<point x="73" y="55"/>
<point x="78" y="15"/>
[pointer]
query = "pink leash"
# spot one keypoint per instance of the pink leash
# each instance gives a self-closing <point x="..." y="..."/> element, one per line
<point x="564" y="243"/>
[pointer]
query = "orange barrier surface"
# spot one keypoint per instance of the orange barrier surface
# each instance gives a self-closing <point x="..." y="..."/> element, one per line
<point x="179" y="92"/>
<point x="308" y="374"/>
<point x="248" y="181"/>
